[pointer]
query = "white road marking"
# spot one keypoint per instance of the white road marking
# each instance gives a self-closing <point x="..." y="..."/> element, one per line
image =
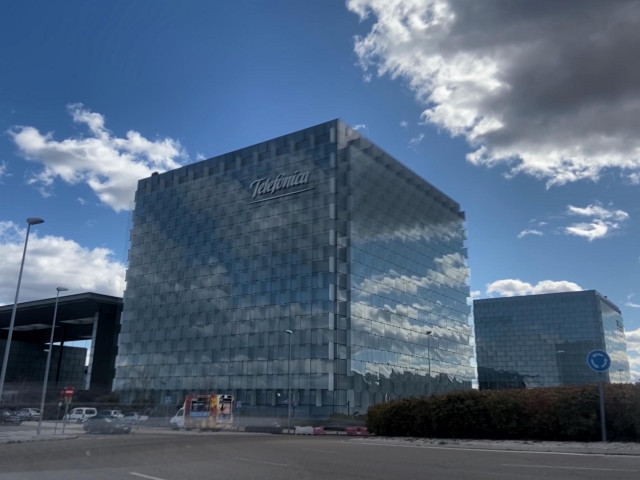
<point x="570" y="468"/>
<point x="141" y="475"/>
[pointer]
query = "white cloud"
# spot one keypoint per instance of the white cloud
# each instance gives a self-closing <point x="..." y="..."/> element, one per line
<point x="51" y="262"/>
<point x="629" y="303"/>
<point x="404" y="124"/>
<point x="360" y="126"/>
<point x="524" y="233"/>
<point x="633" y="337"/>
<point x="415" y="141"/>
<point x="551" y="89"/>
<point x="110" y="165"/>
<point x="600" y="212"/>
<point x="513" y="287"/>
<point x="3" y="169"/>
<point x="603" y="222"/>
<point x="591" y="231"/>
<point x="81" y="201"/>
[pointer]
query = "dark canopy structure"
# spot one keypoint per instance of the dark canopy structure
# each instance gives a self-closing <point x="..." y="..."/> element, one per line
<point x="84" y="316"/>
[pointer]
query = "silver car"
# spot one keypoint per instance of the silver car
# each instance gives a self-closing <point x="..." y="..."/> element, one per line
<point x="27" y="414"/>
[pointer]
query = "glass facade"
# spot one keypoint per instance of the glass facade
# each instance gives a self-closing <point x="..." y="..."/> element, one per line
<point x="544" y="340"/>
<point x="27" y="364"/>
<point x="318" y="232"/>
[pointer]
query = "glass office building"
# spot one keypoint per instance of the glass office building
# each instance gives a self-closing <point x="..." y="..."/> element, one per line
<point x="544" y="340"/>
<point x="319" y="233"/>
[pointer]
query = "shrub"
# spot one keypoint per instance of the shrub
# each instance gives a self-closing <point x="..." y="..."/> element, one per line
<point x="554" y="413"/>
<point x="395" y="418"/>
<point x="460" y="414"/>
<point x="623" y="411"/>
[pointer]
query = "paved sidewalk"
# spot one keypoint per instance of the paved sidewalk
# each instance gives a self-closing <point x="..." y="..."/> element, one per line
<point x="599" y="448"/>
<point x="28" y="432"/>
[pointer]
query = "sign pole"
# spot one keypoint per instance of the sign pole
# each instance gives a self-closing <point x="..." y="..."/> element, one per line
<point x="603" y="423"/>
<point x="55" y="429"/>
<point x="67" y="393"/>
<point x="599" y="361"/>
<point x="64" y="419"/>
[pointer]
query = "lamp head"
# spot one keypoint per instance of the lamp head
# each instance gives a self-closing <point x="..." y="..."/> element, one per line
<point x="61" y="289"/>
<point x="34" y="220"/>
<point x="288" y="331"/>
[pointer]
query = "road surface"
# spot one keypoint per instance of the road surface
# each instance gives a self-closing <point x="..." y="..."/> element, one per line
<point x="231" y="456"/>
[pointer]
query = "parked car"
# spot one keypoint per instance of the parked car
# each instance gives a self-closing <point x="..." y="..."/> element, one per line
<point x="29" y="414"/>
<point x="112" y="413"/>
<point x="105" y="423"/>
<point x="7" y="417"/>
<point x="80" y="414"/>
<point x="134" y="417"/>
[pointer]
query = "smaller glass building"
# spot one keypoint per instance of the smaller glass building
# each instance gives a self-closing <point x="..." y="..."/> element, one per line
<point x="544" y="340"/>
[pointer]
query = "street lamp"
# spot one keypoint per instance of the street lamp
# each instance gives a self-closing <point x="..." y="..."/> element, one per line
<point x="559" y="357"/>
<point x="289" y="332"/>
<point x="30" y="221"/>
<point x="429" y="335"/>
<point x="46" y="368"/>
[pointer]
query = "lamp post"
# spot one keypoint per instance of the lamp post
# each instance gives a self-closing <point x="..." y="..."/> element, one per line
<point x="5" y="361"/>
<point x="46" y="368"/>
<point x="559" y="357"/>
<point x="429" y="334"/>
<point x="289" y="333"/>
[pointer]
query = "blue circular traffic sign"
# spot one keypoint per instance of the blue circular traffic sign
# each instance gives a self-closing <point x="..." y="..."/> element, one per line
<point x="599" y="360"/>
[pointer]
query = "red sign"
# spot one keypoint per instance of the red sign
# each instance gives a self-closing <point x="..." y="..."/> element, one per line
<point x="68" y="392"/>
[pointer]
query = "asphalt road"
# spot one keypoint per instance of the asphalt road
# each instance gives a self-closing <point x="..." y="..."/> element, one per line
<point x="243" y="456"/>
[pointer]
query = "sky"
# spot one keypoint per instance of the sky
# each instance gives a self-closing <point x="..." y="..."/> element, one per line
<point x="525" y="113"/>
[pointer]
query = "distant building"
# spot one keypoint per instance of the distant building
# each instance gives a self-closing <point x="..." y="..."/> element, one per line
<point x="544" y="340"/>
<point x="319" y="233"/>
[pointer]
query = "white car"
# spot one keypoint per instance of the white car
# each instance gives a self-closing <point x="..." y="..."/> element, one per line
<point x="134" y="417"/>
<point x="80" y="414"/>
<point x="111" y="413"/>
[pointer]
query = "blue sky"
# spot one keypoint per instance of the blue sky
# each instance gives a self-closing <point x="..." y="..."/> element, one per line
<point x="526" y="113"/>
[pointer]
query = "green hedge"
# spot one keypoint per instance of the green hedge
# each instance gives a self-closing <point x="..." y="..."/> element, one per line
<point x="555" y="413"/>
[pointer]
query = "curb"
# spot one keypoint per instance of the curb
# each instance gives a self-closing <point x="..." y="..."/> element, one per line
<point x="37" y="438"/>
<point x="587" y="448"/>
